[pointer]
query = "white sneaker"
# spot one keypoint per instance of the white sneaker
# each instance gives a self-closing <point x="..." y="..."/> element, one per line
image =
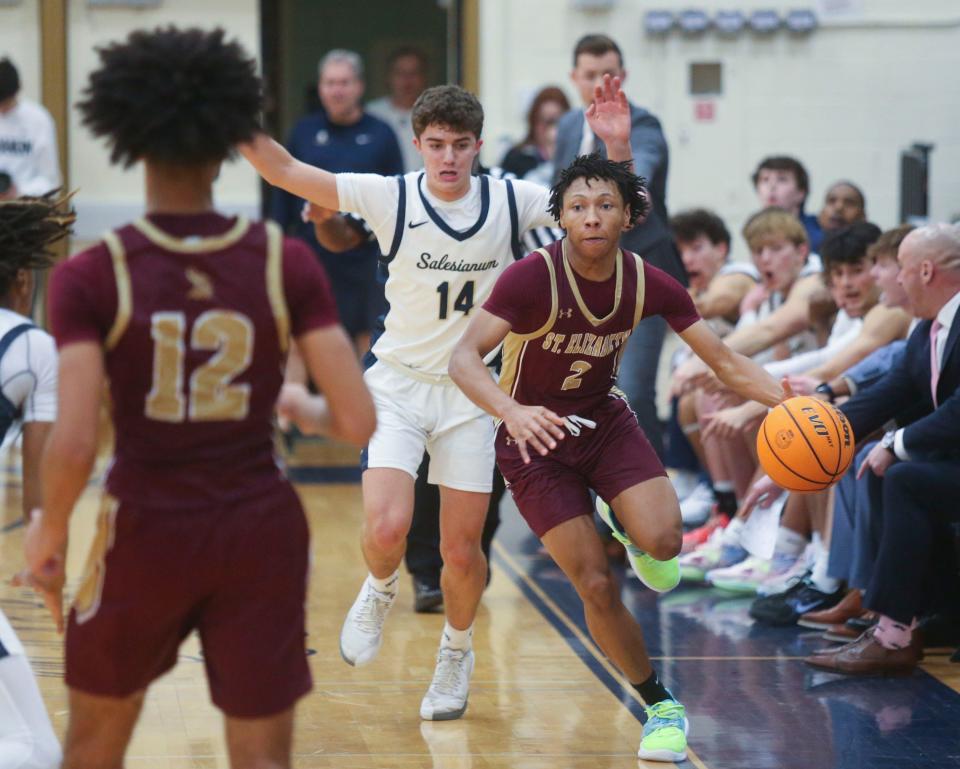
<point x="684" y="482"/>
<point x="446" y="699"/>
<point x="780" y="582"/>
<point x="696" y="506"/>
<point x="362" y="631"/>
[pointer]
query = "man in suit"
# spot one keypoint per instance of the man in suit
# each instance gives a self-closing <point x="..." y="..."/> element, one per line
<point x="593" y="57"/>
<point x="919" y="464"/>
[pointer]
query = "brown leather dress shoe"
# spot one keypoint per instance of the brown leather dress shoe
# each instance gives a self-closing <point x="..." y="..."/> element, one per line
<point x="836" y="615"/>
<point x="867" y="657"/>
<point x="852" y="629"/>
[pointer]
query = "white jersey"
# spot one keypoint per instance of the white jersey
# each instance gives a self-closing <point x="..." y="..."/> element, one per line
<point x="443" y="257"/>
<point x="28" y="370"/>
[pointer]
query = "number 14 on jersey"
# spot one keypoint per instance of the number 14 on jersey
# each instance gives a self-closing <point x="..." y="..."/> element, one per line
<point x="463" y="303"/>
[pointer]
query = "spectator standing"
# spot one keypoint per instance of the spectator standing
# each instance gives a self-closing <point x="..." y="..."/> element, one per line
<point x="406" y="78"/>
<point x="532" y="158"/>
<point x="29" y="163"/>
<point x="593" y="57"/>
<point x="782" y="182"/>
<point x="342" y="137"/>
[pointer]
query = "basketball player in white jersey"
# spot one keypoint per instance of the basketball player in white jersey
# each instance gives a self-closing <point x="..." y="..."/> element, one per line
<point x="447" y="236"/>
<point x="28" y="390"/>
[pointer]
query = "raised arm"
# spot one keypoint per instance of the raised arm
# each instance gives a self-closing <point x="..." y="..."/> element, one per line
<point x="279" y="168"/>
<point x="535" y="425"/>
<point x="746" y="378"/>
<point x="609" y="117"/>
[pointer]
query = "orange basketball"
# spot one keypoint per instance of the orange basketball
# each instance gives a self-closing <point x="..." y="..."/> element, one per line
<point x="805" y="444"/>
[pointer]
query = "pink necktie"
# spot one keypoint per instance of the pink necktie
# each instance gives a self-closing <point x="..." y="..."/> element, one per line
<point x="934" y="359"/>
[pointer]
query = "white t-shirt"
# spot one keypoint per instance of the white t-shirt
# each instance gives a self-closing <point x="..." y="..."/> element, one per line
<point x="443" y="257"/>
<point x="28" y="370"/>
<point x="28" y="148"/>
<point x="399" y="120"/>
<point x="844" y="330"/>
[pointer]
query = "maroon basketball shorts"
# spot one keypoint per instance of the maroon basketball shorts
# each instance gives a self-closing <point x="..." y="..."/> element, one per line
<point x="237" y="574"/>
<point x="608" y="459"/>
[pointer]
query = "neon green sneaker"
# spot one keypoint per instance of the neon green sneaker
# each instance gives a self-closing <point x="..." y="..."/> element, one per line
<point x="665" y="733"/>
<point x="659" y="576"/>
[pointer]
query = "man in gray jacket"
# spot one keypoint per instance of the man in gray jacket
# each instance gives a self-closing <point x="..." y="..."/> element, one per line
<point x="593" y="57"/>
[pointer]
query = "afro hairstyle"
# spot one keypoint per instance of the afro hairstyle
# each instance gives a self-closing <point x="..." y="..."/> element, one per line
<point x="173" y="96"/>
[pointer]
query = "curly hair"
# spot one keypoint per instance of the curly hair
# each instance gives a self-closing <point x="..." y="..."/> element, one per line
<point x="632" y="188"/>
<point x="173" y="96"/>
<point x="28" y="227"/>
<point x="450" y="106"/>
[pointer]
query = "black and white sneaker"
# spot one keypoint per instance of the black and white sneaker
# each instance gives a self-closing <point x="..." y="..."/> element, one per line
<point x="785" y="608"/>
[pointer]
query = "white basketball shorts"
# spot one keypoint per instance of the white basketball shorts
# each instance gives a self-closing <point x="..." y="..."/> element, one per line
<point x="413" y="415"/>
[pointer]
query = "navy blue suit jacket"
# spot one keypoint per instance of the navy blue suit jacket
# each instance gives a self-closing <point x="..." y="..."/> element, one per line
<point x="933" y="433"/>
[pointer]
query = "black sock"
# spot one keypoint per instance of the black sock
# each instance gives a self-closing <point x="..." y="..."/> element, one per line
<point x="726" y="501"/>
<point x="652" y="690"/>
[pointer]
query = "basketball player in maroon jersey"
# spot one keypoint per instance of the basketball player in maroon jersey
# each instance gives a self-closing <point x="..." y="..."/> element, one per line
<point x="189" y="315"/>
<point x="564" y="314"/>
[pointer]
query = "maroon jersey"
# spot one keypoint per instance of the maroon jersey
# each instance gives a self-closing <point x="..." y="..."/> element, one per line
<point x="568" y="333"/>
<point x="195" y="315"/>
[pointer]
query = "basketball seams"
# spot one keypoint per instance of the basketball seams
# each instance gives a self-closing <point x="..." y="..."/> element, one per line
<point x="806" y="440"/>
<point x="822" y="484"/>
<point x="839" y="433"/>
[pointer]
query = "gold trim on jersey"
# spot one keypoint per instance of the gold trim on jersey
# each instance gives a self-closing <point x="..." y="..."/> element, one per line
<point x="571" y="278"/>
<point x="514" y="344"/>
<point x="121" y="276"/>
<point x="551" y="319"/>
<point x="278" y="303"/>
<point x="641" y="290"/>
<point x="193" y="244"/>
<point x="87" y="600"/>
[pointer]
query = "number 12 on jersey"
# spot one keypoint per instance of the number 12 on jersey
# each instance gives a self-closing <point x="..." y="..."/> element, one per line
<point x="463" y="303"/>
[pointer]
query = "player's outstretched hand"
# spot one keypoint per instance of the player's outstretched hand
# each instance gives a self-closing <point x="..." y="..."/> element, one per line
<point x="536" y="425"/>
<point x="46" y="553"/>
<point x="609" y="113"/>
<point x="763" y="492"/>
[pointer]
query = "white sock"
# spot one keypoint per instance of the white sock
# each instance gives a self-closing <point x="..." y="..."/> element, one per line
<point x="387" y="585"/>
<point x="819" y="577"/>
<point x="461" y="640"/>
<point x="723" y="486"/>
<point x="789" y="542"/>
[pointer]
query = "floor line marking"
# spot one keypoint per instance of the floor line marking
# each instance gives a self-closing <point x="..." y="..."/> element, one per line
<point x="584" y="639"/>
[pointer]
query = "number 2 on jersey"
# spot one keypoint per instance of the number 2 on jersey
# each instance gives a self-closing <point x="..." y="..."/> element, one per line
<point x="463" y="303"/>
<point x="212" y="397"/>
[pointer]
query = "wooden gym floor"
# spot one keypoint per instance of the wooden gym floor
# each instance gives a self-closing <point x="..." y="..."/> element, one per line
<point x="542" y="696"/>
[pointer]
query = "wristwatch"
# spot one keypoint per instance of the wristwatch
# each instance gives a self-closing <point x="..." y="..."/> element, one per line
<point x="827" y="390"/>
<point x="887" y="441"/>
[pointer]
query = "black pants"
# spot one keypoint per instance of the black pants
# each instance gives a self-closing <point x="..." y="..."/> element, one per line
<point x="423" y="542"/>
<point x="916" y="568"/>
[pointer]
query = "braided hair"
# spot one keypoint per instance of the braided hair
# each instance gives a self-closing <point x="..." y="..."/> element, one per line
<point x="28" y="227"/>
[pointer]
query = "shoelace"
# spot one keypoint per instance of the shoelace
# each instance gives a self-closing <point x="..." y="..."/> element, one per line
<point x="449" y="673"/>
<point x="573" y="423"/>
<point x="373" y="611"/>
<point x="665" y="713"/>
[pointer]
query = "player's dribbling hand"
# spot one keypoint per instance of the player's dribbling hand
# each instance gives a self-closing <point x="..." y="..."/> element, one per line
<point x="46" y="551"/>
<point x="536" y="425"/>
<point x="787" y="386"/>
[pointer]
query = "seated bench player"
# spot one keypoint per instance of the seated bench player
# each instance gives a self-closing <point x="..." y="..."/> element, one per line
<point x="564" y="314"/>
